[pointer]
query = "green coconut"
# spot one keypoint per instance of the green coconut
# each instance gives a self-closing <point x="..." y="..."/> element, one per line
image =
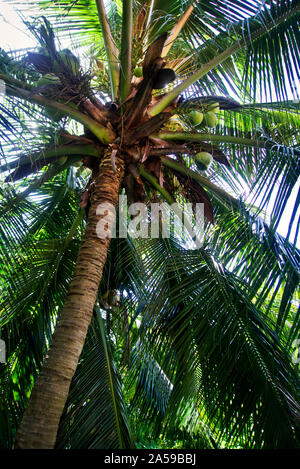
<point x="61" y="160"/>
<point x="48" y="79"/>
<point x="203" y="159"/>
<point x="213" y="107"/>
<point x="210" y="119"/>
<point x="196" y="117"/>
<point x="174" y="124"/>
<point x="138" y="72"/>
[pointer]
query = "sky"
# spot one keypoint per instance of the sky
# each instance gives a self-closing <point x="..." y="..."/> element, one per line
<point x="13" y="36"/>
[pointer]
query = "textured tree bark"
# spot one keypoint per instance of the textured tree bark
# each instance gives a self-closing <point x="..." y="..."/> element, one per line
<point x="39" y="426"/>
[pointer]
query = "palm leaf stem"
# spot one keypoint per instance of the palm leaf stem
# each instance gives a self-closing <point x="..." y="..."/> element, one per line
<point x="149" y="13"/>
<point x="153" y="181"/>
<point x="47" y="175"/>
<point x="199" y="137"/>
<point x="170" y="163"/>
<point x="63" y="150"/>
<point x="104" y="134"/>
<point x="176" y="30"/>
<point x="110" y="49"/>
<point x="13" y="81"/>
<point x="126" y="50"/>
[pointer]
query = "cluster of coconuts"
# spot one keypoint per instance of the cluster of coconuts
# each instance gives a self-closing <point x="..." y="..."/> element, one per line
<point x="208" y="117"/>
<point x="69" y="61"/>
<point x="65" y="59"/>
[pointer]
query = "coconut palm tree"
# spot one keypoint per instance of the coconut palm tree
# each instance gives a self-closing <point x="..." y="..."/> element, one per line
<point x="171" y="101"/>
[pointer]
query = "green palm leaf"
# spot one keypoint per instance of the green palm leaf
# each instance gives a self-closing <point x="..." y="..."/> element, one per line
<point x="204" y="300"/>
<point x="95" y="415"/>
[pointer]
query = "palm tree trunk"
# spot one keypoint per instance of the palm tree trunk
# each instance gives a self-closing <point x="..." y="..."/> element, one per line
<point x="39" y="426"/>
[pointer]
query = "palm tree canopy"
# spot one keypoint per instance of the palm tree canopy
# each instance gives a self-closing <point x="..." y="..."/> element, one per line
<point x="196" y="345"/>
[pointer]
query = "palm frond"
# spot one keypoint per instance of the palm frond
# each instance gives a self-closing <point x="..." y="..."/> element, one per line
<point x="201" y="299"/>
<point x="37" y="261"/>
<point x="95" y="413"/>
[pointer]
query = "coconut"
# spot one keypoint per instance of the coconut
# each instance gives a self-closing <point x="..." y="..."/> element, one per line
<point x="163" y="77"/>
<point x="203" y="159"/>
<point x="210" y="119"/>
<point x="196" y="117"/>
<point x="48" y="79"/>
<point x="138" y="72"/>
<point x="213" y="107"/>
<point x="174" y="124"/>
<point x="61" y="160"/>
